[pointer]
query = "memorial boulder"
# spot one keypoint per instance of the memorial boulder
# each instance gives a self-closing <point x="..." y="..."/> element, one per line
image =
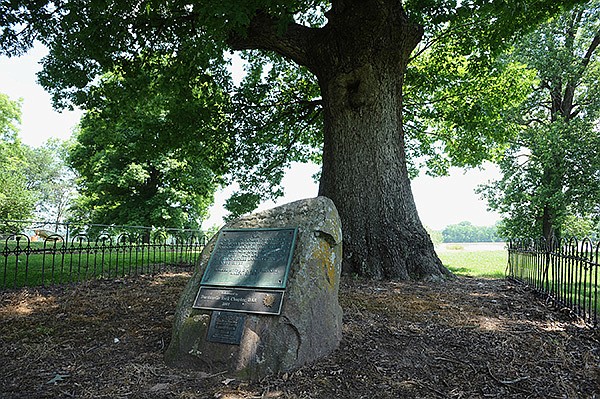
<point x="264" y="298"/>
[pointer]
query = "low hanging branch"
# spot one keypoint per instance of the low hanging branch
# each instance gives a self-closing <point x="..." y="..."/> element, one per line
<point x="267" y="33"/>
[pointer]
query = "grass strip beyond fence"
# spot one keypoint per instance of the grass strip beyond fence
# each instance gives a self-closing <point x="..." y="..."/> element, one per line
<point x="565" y="271"/>
<point x="68" y="265"/>
<point x="26" y="262"/>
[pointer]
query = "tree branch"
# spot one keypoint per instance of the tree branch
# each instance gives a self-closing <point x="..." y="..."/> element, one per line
<point x="266" y="105"/>
<point x="449" y="31"/>
<point x="528" y="122"/>
<point x="590" y="51"/>
<point x="574" y="113"/>
<point x="266" y="33"/>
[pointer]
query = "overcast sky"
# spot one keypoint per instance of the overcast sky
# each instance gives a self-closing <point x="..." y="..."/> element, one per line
<point x="440" y="201"/>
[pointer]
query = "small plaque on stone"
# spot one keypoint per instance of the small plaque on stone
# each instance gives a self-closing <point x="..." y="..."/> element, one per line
<point x="257" y="258"/>
<point x="240" y="300"/>
<point x="226" y="328"/>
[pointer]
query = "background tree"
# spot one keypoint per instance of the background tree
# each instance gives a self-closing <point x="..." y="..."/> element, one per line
<point x="580" y="227"/>
<point x="552" y="168"/>
<point x="16" y="200"/>
<point x="436" y="236"/>
<point x="147" y="152"/>
<point x="53" y="181"/>
<point x="357" y="51"/>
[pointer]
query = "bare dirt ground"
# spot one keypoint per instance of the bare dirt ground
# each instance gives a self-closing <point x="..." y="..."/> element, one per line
<point x="470" y="338"/>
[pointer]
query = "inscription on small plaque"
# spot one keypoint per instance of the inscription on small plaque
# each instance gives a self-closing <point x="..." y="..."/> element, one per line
<point x="226" y="328"/>
<point x="251" y="258"/>
<point x="240" y="300"/>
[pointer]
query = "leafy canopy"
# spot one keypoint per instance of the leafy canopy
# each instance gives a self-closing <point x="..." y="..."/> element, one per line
<point x="149" y="150"/>
<point x="551" y="171"/>
<point x="16" y="200"/>
<point x="110" y="56"/>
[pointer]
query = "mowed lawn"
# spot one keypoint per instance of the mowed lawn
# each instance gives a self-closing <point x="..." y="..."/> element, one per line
<point x="474" y="260"/>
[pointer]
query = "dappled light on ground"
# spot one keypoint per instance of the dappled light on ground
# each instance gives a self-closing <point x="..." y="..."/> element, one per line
<point x="170" y="278"/>
<point x="26" y="304"/>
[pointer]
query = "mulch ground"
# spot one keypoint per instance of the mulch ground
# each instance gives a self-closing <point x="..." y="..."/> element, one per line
<point x="469" y="338"/>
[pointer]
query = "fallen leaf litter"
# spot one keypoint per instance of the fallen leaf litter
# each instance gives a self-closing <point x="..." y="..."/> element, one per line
<point x="469" y="338"/>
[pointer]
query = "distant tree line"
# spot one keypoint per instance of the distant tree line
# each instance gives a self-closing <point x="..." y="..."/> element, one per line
<point x="467" y="232"/>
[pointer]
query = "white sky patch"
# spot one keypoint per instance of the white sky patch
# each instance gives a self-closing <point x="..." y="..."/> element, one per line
<point x="39" y="120"/>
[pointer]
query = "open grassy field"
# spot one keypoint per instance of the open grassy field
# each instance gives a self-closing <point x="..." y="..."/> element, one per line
<point x="474" y="261"/>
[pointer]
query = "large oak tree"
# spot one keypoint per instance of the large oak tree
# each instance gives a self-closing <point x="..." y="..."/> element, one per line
<point x="358" y="51"/>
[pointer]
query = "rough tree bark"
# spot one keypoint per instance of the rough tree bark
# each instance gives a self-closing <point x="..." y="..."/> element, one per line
<point x="359" y="58"/>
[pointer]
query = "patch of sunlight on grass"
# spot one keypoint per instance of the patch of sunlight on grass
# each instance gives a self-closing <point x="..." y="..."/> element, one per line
<point x="475" y="263"/>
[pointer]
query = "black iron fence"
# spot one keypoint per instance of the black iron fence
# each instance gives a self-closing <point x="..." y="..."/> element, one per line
<point x="564" y="271"/>
<point x="43" y="253"/>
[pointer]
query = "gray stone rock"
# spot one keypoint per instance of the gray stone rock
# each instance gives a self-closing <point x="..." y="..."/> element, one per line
<point x="310" y="323"/>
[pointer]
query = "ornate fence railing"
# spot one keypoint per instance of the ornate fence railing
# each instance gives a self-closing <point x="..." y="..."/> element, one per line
<point x="42" y="253"/>
<point x="564" y="271"/>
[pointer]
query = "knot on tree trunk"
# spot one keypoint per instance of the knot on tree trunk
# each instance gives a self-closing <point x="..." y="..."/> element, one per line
<point x="354" y="90"/>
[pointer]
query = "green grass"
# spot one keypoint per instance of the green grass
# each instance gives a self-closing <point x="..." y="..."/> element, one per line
<point x="475" y="263"/>
<point x="71" y="266"/>
<point x="572" y="285"/>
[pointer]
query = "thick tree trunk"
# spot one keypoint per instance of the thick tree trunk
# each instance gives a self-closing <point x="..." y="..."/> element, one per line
<point x="547" y="225"/>
<point x="364" y="173"/>
<point x="359" y="58"/>
<point x="360" y="62"/>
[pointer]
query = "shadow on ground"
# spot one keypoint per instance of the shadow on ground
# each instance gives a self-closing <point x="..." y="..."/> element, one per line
<point x="469" y="338"/>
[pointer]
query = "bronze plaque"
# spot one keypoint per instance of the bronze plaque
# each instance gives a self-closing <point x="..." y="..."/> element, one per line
<point x="226" y="328"/>
<point x="240" y="300"/>
<point x="257" y="258"/>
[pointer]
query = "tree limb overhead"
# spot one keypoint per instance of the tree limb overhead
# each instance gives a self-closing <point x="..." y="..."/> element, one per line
<point x="267" y="33"/>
